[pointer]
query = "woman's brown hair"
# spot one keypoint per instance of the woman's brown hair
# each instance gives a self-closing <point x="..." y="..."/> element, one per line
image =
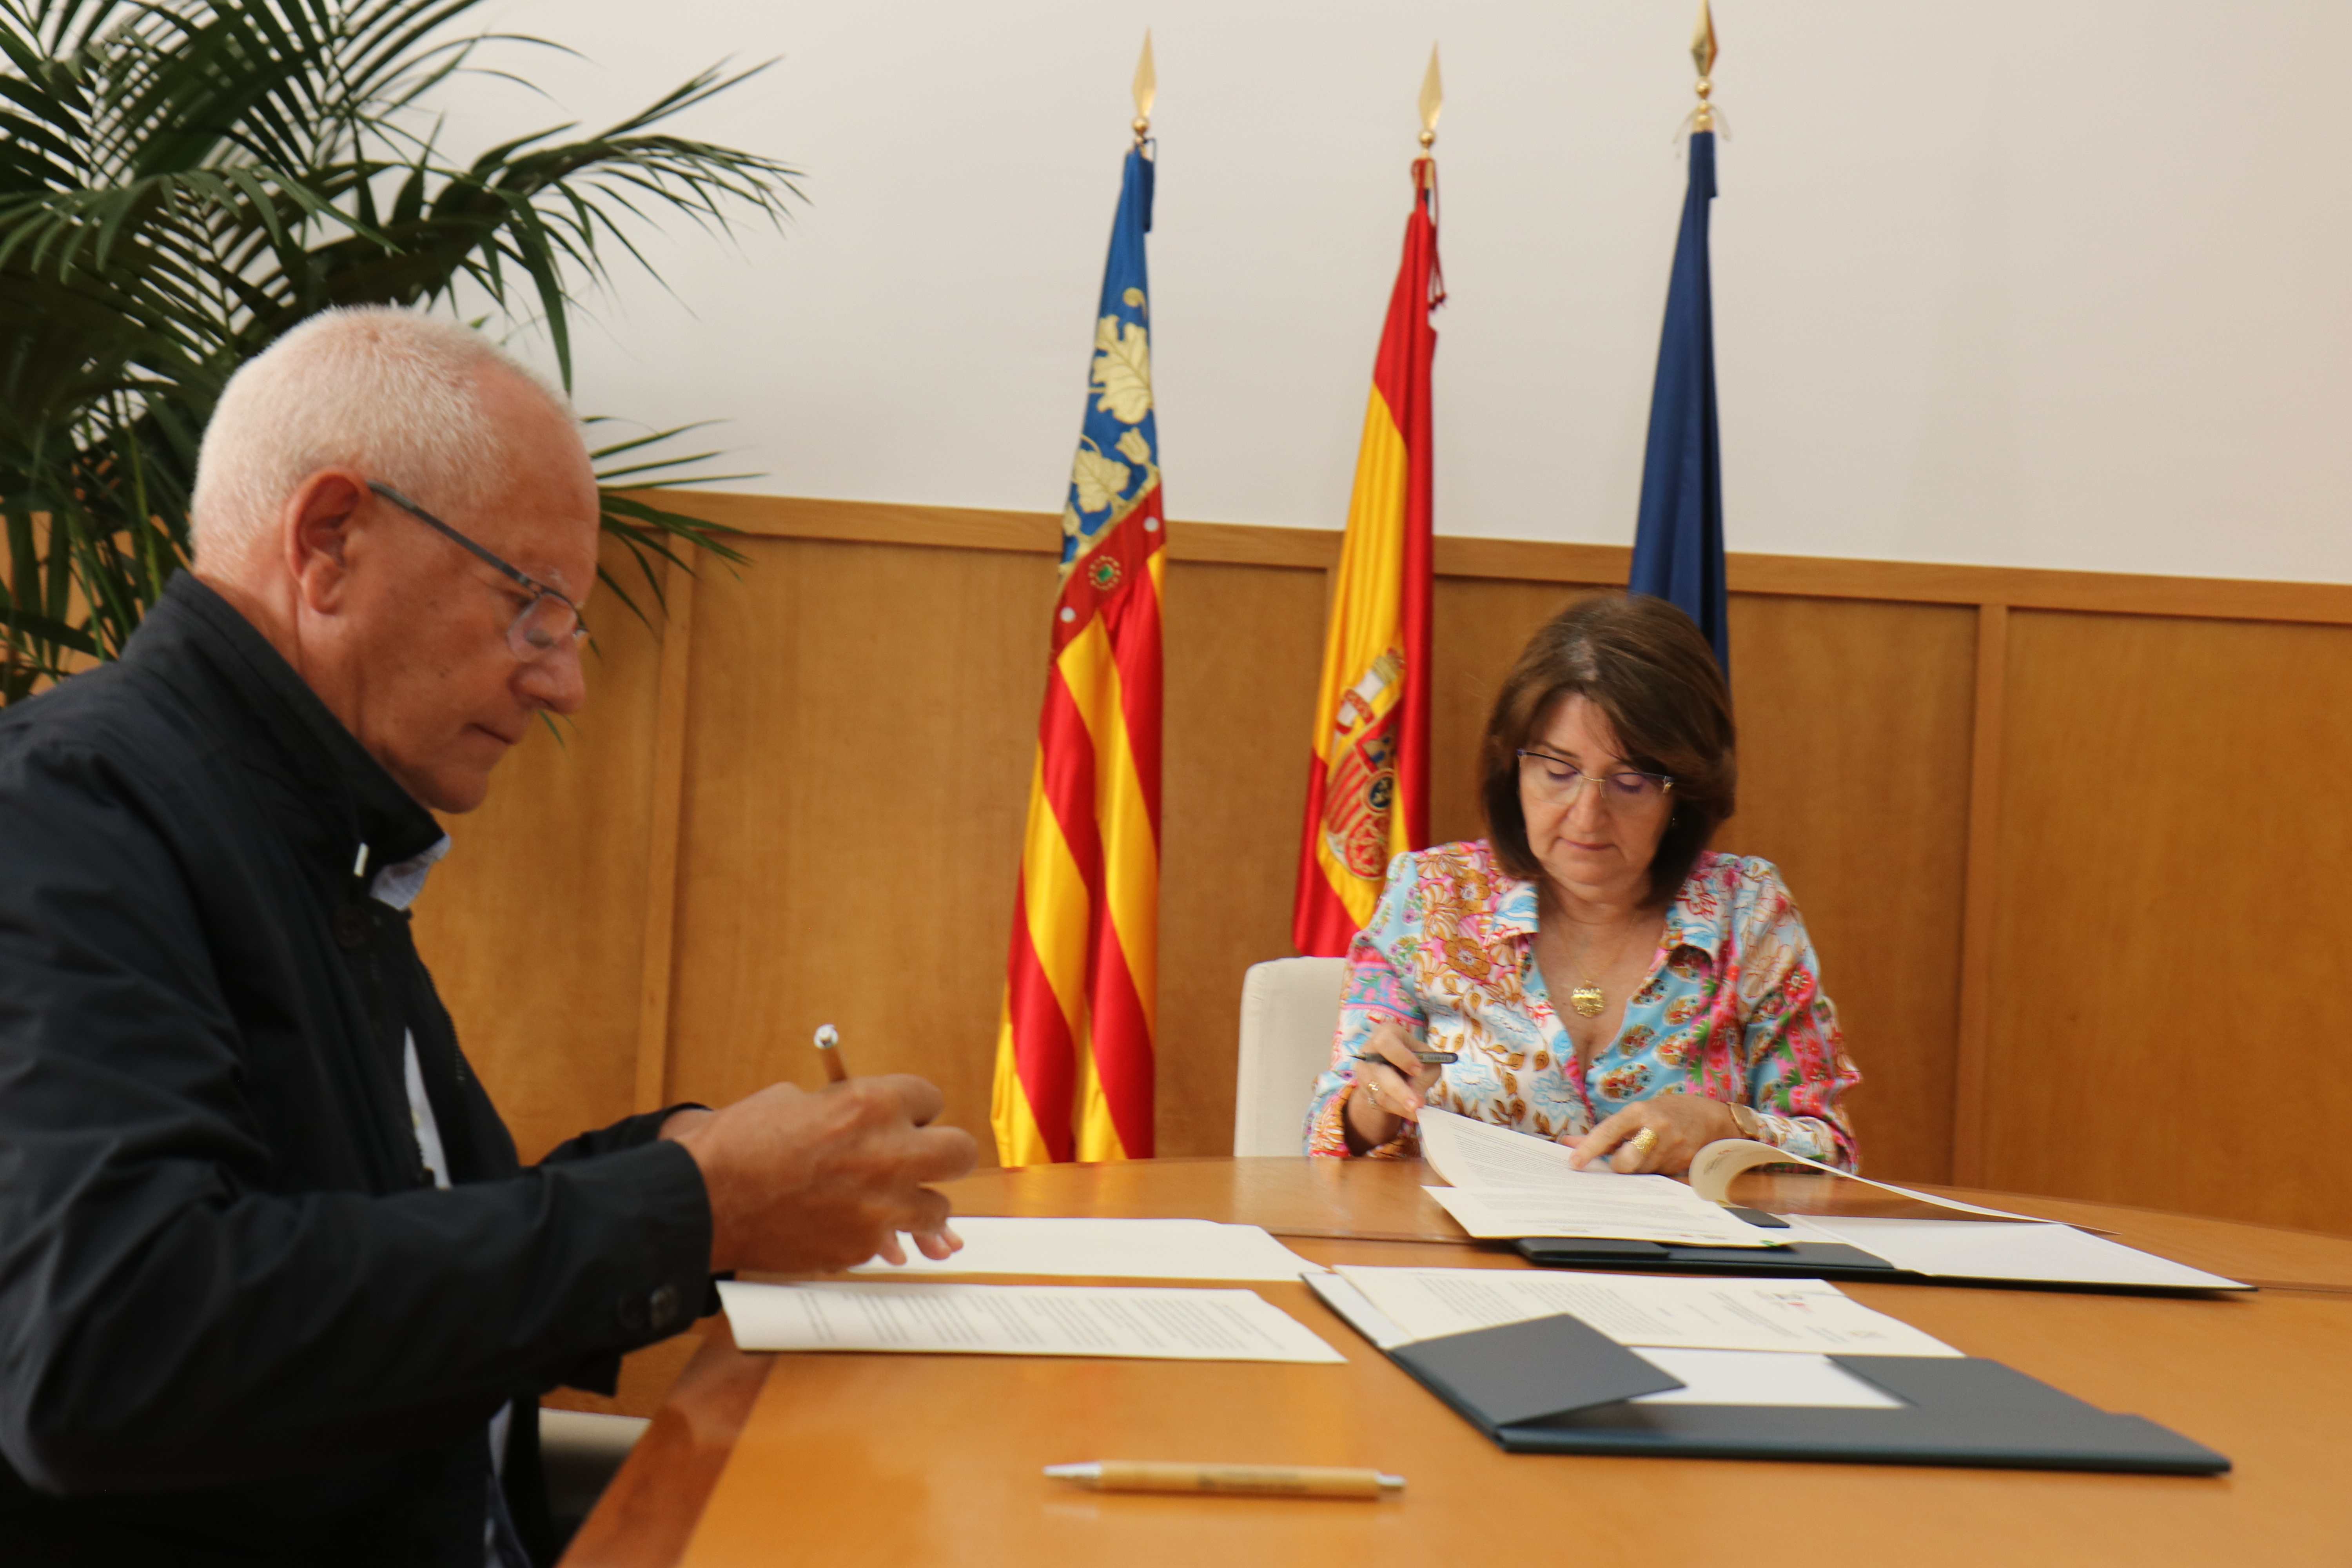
<point x="1644" y="665"/>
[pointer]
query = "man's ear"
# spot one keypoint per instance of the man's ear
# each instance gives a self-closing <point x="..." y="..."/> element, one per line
<point x="317" y="527"/>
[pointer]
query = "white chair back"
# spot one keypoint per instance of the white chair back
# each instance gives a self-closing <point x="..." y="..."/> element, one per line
<point x="1290" y="1010"/>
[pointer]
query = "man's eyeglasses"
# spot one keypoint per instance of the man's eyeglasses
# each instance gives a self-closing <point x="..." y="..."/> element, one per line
<point x="1558" y="780"/>
<point x="547" y="622"/>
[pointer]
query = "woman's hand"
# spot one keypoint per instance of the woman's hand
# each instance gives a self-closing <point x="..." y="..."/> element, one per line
<point x="1390" y="1090"/>
<point x="1681" y="1125"/>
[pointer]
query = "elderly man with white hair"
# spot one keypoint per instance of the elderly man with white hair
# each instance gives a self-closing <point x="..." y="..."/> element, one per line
<point x="273" y="1284"/>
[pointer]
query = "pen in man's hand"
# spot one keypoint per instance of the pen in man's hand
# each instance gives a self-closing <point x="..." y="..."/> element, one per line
<point x="828" y="1046"/>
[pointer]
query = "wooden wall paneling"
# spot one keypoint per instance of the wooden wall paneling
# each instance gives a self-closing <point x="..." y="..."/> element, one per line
<point x="1552" y="560"/>
<point x="1244" y="647"/>
<point x="2169" y="1016"/>
<point x="1478" y="625"/>
<point x="860" y="731"/>
<point x="534" y="925"/>
<point x="851" y="761"/>
<point x="1855" y="729"/>
<point x="1979" y="891"/>
<point x="660" y="943"/>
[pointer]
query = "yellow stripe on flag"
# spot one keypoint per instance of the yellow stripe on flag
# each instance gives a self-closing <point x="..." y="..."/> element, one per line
<point x="1097" y="1134"/>
<point x="1053" y="894"/>
<point x="1018" y="1142"/>
<point x="1131" y="850"/>
<point x="1089" y="669"/>
<point x="1366" y="619"/>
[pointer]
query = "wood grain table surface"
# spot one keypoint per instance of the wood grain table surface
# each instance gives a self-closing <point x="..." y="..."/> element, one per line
<point x="856" y="1459"/>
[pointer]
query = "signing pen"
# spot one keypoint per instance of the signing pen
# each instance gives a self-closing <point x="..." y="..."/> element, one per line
<point x="828" y="1046"/>
<point x="1426" y="1058"/>
<point x="1232" y="1480"/>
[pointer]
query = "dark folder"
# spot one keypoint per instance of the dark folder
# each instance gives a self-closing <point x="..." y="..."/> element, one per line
<point x="1797" y="1261"/>
<point x="1556" y="1386"/>
<point x="1800" y="1260"/>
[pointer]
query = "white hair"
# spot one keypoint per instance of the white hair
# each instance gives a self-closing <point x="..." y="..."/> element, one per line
<point x="391" y="392"/>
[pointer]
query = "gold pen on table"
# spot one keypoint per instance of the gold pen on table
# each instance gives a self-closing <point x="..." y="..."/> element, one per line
<point x="1229" y="1481"/>
<point x="828" y="1046"/>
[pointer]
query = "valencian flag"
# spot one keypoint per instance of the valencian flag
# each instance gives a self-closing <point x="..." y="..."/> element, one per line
<point x="1367" y="783"/>
<point x="1678" y="543"/>
<point x="1074" y="1049"/>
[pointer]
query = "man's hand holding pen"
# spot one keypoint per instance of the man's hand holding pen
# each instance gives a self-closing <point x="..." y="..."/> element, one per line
<point x="803" y="1183"/>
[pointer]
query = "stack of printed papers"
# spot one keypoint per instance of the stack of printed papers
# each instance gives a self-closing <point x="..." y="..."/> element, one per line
<point x="942" y="1318"/>
<point x="1507" y="1184"/>
<point x="1106" y="1249"/>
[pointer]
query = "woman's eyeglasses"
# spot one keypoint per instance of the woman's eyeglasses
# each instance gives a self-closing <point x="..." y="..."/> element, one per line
<point x="548" y="621"/>
<point x="1558" y="779"/>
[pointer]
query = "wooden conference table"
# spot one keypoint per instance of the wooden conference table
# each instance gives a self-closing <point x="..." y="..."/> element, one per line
<point x="846" y="1460"/>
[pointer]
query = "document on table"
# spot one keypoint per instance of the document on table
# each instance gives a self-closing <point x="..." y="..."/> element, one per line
<point x="1507" y="1184"/>
<point x="1640" y="1310"/>
<point x="943" y="1318"/>
<point x="1775" y="1377"/>
<point x="1713" y="1168"/>
<point x="2041" y="1253"/>
<point x="1106" y="1249"/>
<point x="1762" y="1377"/>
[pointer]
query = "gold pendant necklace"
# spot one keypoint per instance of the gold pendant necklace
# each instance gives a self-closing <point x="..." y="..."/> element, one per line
<point x="1589" y="999"/>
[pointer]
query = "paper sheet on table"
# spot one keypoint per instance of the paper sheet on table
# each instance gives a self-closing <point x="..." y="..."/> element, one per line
<point x="1762" y="1377"/>
<point x="1507" y="1184"/>
<point x="1713" y="1167"/>
<point x="1628" y="1213"/>
<point x="1473" y="1153"/>
<point x="2044" y="1253"/>
<point x="1640" y="1309"/>
<point x="1106" y="1249"/>
<point x="943" y="1319"/>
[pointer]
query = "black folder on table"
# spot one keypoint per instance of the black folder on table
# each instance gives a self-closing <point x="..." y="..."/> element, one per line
<point x="1557" y="1385"/>
<point x="1798" y="1260"/>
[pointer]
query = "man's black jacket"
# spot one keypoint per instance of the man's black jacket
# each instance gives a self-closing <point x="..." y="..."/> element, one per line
<point x="237" y="1322"/>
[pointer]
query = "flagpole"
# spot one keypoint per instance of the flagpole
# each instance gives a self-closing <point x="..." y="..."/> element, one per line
<point x="1703" y="52"/>
<point x="1432" y="99"/>
<point x="1147" y="89"/>
<point x="1678" y="530"/>
<point x="1076" y="1033"/>
<point x="1368" y="766"/>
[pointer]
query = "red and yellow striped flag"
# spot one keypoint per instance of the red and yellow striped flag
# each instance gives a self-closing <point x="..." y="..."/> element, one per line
<point x="1367" y="786"/>
<point x="1074" y="1058"/>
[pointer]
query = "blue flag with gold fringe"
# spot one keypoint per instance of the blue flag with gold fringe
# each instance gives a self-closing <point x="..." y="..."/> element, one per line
<point x="1678" y="543"/>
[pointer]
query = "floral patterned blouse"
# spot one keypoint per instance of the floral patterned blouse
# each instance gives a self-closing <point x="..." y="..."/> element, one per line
<point x="1732" y="1009"/>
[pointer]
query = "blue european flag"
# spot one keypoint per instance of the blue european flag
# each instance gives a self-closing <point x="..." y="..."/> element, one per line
<point x="1678" y="543"/>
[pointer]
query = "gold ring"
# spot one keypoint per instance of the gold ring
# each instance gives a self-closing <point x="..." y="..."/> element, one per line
<point x="1641" y="1143"/>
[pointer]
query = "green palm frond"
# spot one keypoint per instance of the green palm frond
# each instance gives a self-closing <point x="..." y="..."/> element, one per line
<point x="181" y="181"/>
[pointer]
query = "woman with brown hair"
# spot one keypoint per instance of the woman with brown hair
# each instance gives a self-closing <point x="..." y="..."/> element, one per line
<point x="1604" y="979"/>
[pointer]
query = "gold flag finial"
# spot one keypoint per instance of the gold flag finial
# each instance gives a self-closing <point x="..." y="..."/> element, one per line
<point x="1432" y="99"/>
<point x="1703" y="52"/>
<point x="1147" y="88"/>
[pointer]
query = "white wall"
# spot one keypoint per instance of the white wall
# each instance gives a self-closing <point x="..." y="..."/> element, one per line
<point x="2035" y="282"/>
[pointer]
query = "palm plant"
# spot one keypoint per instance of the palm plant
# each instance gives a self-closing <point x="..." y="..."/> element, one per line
<point x="181" y="181"/>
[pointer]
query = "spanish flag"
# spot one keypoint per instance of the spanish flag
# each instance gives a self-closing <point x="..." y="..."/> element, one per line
<point x="1073" y="1045"/>
<point x="1368" y="785"/>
